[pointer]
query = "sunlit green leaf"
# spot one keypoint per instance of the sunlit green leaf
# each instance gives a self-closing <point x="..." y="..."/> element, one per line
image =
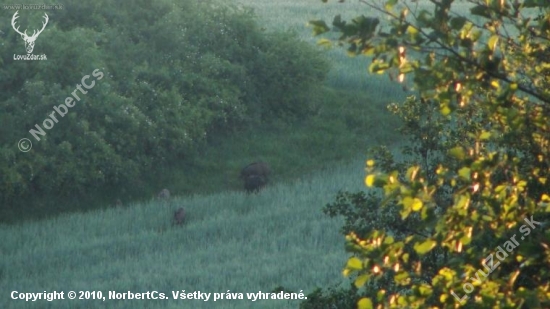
<point x="405" y="213"/>
<point x="417" y="204"/>
<point x="445" y="110"/>
<point x="325" y="43"/>
<point x="463" y="201"/>
<point x="369" y="180"/>
<point x="492" y="43"/>
<point x="401" y="277"/>
<point x="389" y="5"/>
<point x="425" y="290"/>
<point x="424" y="247"/>
<point x="412" y="30"/>
<point x="464" y="173"/>
<point x="378" y="67"/>
<point x="457" y="152"/>
<point x="364" y="303"/>
<point x="485" y="135"/>
<point x="466" y="239"/>
<point x="354" y="264"/>
<point x="406" y="68"/>
<point x="361" y="280"/>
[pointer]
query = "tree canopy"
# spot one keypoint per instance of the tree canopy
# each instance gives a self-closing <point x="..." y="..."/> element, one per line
<point x="172" y="75"/>
<point x="461" y="221"/>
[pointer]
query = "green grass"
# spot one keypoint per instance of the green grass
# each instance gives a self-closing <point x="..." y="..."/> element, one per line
<point x="232" y="241"/>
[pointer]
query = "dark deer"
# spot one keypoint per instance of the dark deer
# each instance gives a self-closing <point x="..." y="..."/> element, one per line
<point x="164" y="194"/>
<point x="179" y="216"/>
<point x="255" y="176"/>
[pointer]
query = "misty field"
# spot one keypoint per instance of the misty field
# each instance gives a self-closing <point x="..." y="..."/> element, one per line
<point x="232" y="241"/>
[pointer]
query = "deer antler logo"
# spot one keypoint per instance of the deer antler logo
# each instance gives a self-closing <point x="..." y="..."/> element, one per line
<point x="29" y="40"/>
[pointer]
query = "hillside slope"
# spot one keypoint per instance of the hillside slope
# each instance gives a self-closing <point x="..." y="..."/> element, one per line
<point x="232" y="241"/>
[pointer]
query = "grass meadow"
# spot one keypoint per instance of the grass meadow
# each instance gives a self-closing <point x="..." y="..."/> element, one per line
<point x="232" y="241"/>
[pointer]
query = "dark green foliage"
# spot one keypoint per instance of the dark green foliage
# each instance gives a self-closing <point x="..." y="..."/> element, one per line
<point x="366" y="213"/>
<point x="174" y="73"/>
<point x="332" y="297"/>
<point x="279" y="70"/>
<point x="362" y="215"/>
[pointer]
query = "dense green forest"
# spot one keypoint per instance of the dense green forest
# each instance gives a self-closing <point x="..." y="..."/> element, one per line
<point x="134" y="98"/>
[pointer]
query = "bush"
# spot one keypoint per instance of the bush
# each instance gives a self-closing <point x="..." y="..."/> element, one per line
<point x="172" y="74"/>
<point x="478" y="167"/>
<point x="332" y="297"/>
